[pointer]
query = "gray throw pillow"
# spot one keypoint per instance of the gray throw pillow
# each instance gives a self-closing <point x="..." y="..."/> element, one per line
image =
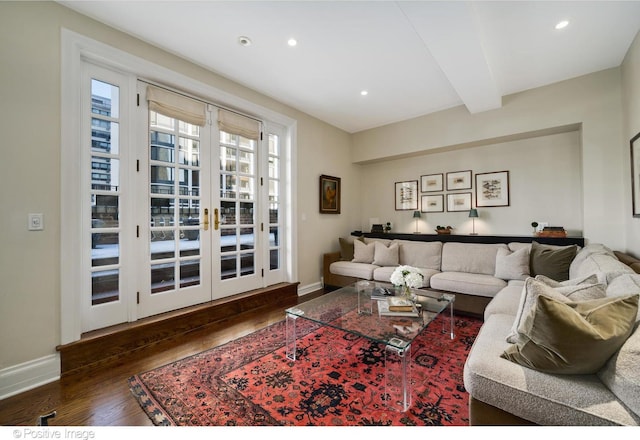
<point x="363" y="253"/>
<point x="512" y="265"/>
<point x="385" y="255"/>
<point x="551" y="261"/>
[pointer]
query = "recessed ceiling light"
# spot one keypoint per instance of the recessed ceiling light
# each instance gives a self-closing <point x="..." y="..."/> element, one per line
<point x="292" y="42"/>
<point x="364" y="92"/>
<point x="244" y="41"/>
<point x="562" y="24"/>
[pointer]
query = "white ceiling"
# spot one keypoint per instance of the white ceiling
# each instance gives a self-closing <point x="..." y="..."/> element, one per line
<point x="413" y="57"/>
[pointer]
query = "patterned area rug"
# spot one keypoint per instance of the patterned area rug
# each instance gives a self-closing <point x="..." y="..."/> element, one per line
<point x="337" y="380"/>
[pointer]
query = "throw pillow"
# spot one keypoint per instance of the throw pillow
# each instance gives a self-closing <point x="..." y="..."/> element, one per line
<point x="363" y="253"/>
<point x="512" y="265"/>
<point x="621" y="373"/>
<point x="551" y="261"/>
<point x="385" y="256"/>
<point x="575" y="337"/>
<point x="533" y="288"/>
<point x="589" y="279"/>
<point x="346" y="247"/>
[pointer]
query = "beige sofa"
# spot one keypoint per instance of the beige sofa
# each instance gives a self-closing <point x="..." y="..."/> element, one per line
<point x="503" y="392"/>
<point x="475" y="272"/>
<point x="490" y="280"/>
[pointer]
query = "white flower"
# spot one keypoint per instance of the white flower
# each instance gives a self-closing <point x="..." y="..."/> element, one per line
<point x="407" y="276"/>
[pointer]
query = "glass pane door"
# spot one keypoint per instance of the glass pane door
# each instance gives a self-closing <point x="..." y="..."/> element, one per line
<point x="237" y="213"/>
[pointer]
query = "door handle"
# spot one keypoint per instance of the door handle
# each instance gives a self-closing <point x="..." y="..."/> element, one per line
<point x="216" y="221"/>
<point x="206" y="219"/>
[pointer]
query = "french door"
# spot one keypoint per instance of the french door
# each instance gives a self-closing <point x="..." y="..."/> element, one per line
<point x="182" y="210"/>
<point x="203" y="231"/>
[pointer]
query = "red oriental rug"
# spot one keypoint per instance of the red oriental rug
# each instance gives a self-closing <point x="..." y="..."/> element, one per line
<point x="337" y="380"/>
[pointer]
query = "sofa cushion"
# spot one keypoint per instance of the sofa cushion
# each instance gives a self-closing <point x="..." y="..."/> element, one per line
<point x="506" y="301"/>
<point x="551" y="261"/>
<point x="351" y="269"/>
<point x="621" y="374"/>
<point x="533" y="288"/>
<point x="477" y="258"/>
<point x="469" y="283"/>
<point x="420" y="254"/>
<point x="607" y="267"/>
<point x="590" y="249"/>
<point x="385" y="255"/>
<point x="363" y="252"/>
<point x="512" y="265"/>
<point x="544" y="399"/>
<point x="575" y="337"/>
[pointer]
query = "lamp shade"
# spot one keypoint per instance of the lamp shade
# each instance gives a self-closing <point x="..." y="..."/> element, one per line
<point x="473" y="212"/>
<point x="416" y="214"/>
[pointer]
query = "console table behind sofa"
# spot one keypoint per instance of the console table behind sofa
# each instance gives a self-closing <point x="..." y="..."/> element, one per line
<point x="506" y="239"/>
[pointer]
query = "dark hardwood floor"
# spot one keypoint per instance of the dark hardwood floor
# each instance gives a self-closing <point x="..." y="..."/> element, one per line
<point x="101" y="397"/>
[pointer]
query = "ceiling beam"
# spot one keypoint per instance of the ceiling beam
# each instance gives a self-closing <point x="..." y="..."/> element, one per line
<point x="450" y="33"/>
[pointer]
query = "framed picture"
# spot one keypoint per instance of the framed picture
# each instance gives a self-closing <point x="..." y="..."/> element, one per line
<point x="431" y="183"/>
<point x="635" y="174"/>
<point x="407" y="195"/>
<point x="458" y="180"/>
<point x="432" y="203"/>
<point x="329" y="195"/>
<point x="492" y="189"/>
<point x="458" y="202"/>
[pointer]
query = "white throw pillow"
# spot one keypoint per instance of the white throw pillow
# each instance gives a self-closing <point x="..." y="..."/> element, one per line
<point x="386" y="256"/>
<point x="363" y="253"/>
<point x="534" y="288"/>
<point x="512" y="265"/>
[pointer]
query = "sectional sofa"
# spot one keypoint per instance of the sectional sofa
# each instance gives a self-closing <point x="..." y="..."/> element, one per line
<point x="513" y="374"/>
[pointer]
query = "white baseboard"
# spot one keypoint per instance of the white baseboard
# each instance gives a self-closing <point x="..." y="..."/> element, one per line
<point x="309" y="288"/>
<point x="22" y="377"/>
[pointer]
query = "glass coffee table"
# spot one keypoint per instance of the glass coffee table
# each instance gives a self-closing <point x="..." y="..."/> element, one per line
<point x="354" y="311"/>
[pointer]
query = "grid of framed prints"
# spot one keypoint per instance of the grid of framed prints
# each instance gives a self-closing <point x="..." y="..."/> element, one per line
<point x="491" y="190"/>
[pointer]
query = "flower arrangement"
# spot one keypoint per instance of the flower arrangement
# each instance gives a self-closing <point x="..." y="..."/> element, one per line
<point x="407" y="276"/>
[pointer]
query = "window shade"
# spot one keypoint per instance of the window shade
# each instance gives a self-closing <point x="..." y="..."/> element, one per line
<point x="176" y="106"/>
<point x="234" y="123"/>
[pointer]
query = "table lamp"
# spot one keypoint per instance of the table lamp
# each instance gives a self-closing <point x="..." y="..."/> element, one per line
<point x="416" y="215"/>
<point x="473" y="213"/>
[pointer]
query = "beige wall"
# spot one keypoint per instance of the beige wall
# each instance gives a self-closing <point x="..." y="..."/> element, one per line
<point x="30" y="170"/>
<point x="592" y="102"/>
<point x="553" y="187"/>
<point x="631" y="108"/>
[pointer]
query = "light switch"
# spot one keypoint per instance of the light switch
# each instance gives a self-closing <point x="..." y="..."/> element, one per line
<point x="36" y="222"/>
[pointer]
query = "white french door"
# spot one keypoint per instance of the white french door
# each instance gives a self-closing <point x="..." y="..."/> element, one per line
<point x="204" y="229"/>
<point x="176" y="212"/>
<point x="140" y="185"/>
